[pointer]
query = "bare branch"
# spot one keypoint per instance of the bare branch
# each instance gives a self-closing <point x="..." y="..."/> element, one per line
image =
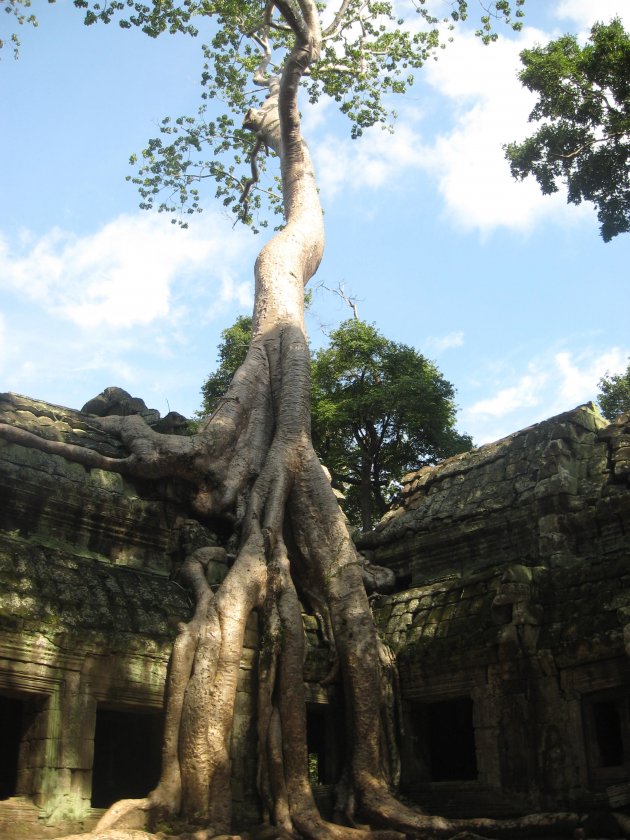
<point x="311" y="16"/>
<point x="341" y="292"/>
<point x="589" y="144"/>
<point x="342" y="68"/>
<point x="260" y="76"/>
<point x="253" y="160"/>
<point x="335" y="26"/>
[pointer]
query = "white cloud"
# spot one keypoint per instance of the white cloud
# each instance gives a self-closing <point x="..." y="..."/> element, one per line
<point x="551" y="384"/>
<point x="490" y="108"/>
<point x="480" y="100"/>
<point x="371" y="161"/>
<point x="437" y="344"/>
<point x="124" y="274"/>
<point x="584" y="13"/>
<point x="138" y="301"/>
<point x="315" y="115"/>
<point x="525" y="394"/>
<point x="3" y="341"/>
<point x="579" y="378"/>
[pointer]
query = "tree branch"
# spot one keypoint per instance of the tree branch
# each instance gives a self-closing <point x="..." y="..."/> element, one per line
<point x="298" y="26"/>
<point x="572" y="155"/>
<point x="341" y="292"/>
<point x="334" y="27"/>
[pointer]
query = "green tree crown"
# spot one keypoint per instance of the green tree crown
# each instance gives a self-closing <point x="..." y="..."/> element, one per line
<point x="232" y="351"/>
<point x="614" y="394"/>
<point x="379" y="409"/>
<point x="583" y="111"/>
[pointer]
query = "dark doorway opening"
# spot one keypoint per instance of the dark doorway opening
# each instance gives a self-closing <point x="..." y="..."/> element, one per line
<point x="606" y="717"/>
<point x="324" y="739"/>
<point x="11" y="728"/>
<point x="607" y="723"/>
<point x="127" y="755"/>
<point x="443" y="738"/>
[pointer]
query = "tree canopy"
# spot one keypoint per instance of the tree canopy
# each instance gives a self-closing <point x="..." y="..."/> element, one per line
<point x="379" y="409"/>
<point x="614" y="394"/>
<point x="583" y="116"/>
<point x="366" y="52"/>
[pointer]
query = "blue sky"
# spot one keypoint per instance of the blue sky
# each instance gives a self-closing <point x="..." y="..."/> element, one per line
<point x="512" y="294"/>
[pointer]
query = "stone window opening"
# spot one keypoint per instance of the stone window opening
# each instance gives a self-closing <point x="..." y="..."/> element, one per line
<point x="607" y="734"/>
<point x="127" y="754"/>
<point x="443" y="740"/>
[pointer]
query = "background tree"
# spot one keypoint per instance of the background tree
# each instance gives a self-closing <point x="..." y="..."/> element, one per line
<point x="614" y="394"/>
<point x="583" y="108"/>
<point x="379" y="409"/>
<point x="233" y="348"/>
<point x="252" y="463"/>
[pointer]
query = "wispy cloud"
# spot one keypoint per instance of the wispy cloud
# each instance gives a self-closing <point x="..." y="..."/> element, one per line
<point x="120" y="306"/>
<point x="524" y="394"/>
<point x="125" y="274"/>
<point x="438" y="344"/>
<point x="548" y="385"/>
<point x="584" y="13"/>
<point x="490" y="108"/>
<point x="376" y="159"/>
<point x="3" y="340"/>
<point x="484" y="106"/>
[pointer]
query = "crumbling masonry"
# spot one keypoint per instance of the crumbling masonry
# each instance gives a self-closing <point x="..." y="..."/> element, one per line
<point x="510" y="622"/>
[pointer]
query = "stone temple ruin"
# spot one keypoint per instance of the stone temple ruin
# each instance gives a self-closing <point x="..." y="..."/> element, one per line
<point x="510" y="622"/>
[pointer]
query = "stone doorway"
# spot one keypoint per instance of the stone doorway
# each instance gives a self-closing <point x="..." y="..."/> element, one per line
<point x="441" y="746"/>
<point x="127" y="754"/>
<point x="12" y="714"/>
<point x="325" y="743"/>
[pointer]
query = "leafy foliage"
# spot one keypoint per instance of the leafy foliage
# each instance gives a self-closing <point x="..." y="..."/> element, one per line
<point x="614" y="394"/>
<point x="584" y="112"/>
<point x="370" y="50"/>
<point x="379" y="409"/>
<point x="20" y="12"/>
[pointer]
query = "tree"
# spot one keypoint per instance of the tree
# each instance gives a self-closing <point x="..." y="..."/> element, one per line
<point x="614" y="394"/>
<point x="584" y="112"/>
<point x="232" y="353"/>
<point x="379" y="409"/>
<point x="252" y="462"/>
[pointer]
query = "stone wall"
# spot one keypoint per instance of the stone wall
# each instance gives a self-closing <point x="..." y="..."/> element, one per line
<point x="89" y="609"/>
<point x="511" y="622"/>
<point x="514" y="623"/>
